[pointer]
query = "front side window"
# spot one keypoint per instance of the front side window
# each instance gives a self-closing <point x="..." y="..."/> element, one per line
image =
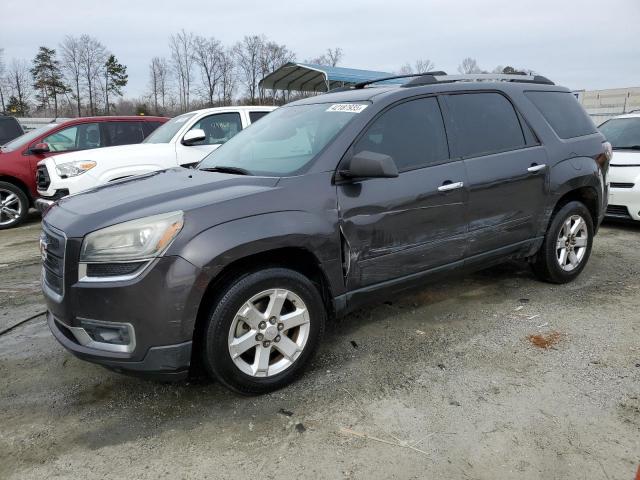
<point x="284" y="142"/>
<point x="78" y="137"/>
<point x="411" y="133"/>
<point x="167" y="131"/>
<point x="123" y="133"/>
<point x="218" y="128"/>
<point x="622" y="133"/>
<point x="484" y="123"/>
<point x="27" y="138"/>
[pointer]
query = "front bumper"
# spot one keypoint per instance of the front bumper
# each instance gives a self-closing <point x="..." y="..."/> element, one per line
<point x="168" y="362"/>
<point x="624" y="193"/>
<point x="160" y="305"/>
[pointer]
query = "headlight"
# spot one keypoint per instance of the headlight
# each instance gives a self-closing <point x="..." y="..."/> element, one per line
<point x="73" y="169"/>
<point x="139" y="239"/>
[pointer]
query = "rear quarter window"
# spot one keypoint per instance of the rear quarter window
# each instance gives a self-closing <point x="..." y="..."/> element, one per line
<point x="563" y="112"/>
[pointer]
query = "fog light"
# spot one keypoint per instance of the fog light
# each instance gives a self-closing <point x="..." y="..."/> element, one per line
<point x="115" y="334"/>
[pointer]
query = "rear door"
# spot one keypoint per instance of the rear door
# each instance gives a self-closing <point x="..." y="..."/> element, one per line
<point x="218" y="128"/>
<point x="506" y="169"/>
<point x="394" y="227"/>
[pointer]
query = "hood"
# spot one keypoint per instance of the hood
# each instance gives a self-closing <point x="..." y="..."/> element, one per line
<point x="158" y="192"/>
<point x="137" y="150"/>
<point x="625" y="158"/>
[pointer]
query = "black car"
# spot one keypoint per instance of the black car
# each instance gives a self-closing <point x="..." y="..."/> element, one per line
<point x="325" y="204"/>
<point x="9" y="129"/>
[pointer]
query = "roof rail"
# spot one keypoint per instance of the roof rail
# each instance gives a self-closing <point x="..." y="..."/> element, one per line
<point x="394" y="77"/>
<point x="437" y="77"/>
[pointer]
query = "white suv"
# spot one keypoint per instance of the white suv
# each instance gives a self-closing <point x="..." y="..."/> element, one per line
<point x="623" y="133"/>
<point x="183" y="140"/>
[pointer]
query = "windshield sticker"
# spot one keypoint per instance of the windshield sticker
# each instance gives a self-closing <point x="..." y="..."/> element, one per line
<point x="346" y="107"/>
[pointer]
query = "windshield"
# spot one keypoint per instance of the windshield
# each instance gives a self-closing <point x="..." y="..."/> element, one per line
<point x="622" y="132"/>
<point x="27" y="138"/>
<point x="167" y="131"/>
<point x="285" y="141"/>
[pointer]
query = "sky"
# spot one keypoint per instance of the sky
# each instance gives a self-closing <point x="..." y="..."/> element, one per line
<point x="585" y="44"/>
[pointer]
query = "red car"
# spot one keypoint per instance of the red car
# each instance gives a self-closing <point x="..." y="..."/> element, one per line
<point x="19" y="158"/>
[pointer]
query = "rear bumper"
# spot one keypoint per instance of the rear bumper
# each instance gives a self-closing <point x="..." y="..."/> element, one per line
<point x="168" y="362"/>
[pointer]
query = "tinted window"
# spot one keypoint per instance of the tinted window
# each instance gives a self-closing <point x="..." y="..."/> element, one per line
<point x="149" y="127"/>
<point x="78" y="137"/>
<point x="412" y="133"/>
<point x="622" y="132"/>
<point x="563" y="112"/>
<point x="255" y="116"/>
<point x="218" y="128"/>
<point x="484" y="123"/>
<point x="123" y="133"/>
<point x="9" y="129"/>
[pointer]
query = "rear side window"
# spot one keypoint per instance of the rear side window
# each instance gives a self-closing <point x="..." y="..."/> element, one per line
<point x="149" y="127"/>
<point x="255" y="116"/>
<point x="484" y="123"/>
<point x="123" y="133"/>
<point x="412" y="133"/>
<point x="563" y="112"/>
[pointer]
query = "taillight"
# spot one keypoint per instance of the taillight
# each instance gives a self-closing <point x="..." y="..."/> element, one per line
<point x="604" y="158"/>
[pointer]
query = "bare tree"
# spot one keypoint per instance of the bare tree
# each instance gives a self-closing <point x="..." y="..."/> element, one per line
<point x="2" y="80"/>
<point x="469" y="65"/>
<point x="93" y="56"/>
<point x="72" y="67"/>
<point x="19" y="81"/>
<point x="159" y="82"/>
<point x="228" y="77"/>
<point x="248" y="54"/>
<point x="207" y="56"/>
<point x="331" y="57"/>
<point x="422" y="65"/>
<point x="180" y="45"/>
<point x="272" y="57"/>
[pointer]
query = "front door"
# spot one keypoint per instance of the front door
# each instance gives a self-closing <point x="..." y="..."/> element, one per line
<point x="394" y="227"/>
<point x="218" y="128"/>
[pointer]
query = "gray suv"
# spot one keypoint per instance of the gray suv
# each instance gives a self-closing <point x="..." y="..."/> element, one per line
<point x="325" y="204"/>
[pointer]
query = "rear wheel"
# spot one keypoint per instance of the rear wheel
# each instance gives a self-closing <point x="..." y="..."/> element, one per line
<point x="14" y="205"/>
<point x="567" y="244"/>
<point x="263" y="331"/>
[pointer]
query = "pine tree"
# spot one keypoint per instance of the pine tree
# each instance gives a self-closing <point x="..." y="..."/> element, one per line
<point x="48" y="79"/>
<point x="17" y="107"/>
<point x="116" y="79"/>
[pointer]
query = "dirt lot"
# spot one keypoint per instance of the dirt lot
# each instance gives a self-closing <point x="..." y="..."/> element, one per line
<point x="451" y="382"/>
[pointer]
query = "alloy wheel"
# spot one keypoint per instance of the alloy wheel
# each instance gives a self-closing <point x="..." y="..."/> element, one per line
<point x="572" y="243"/>
<point x="10" y="207"/>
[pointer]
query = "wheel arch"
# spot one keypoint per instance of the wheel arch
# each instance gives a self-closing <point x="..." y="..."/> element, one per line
<point x="20" y="184"/>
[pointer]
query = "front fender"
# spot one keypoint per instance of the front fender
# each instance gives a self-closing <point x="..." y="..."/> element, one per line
<point x="217" y="247"/>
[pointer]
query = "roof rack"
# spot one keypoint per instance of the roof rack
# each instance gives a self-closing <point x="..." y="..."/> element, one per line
<point x="430" y="78"/>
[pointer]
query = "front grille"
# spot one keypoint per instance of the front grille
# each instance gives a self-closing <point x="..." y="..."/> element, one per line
<point x="42" y="177"/>
<point x="621" y="185"/>
<point x="112" y="269"/>
<point x="52" y="249"/>
<point x="618" y="211"/>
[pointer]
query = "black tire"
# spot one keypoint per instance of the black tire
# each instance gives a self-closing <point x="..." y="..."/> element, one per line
<point x="23" y="202"/>
<point x="546" y="265"/>
<point x="215" y="349"/>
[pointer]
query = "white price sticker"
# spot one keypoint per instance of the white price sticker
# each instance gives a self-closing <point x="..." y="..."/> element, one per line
<point x="347" y="107"/>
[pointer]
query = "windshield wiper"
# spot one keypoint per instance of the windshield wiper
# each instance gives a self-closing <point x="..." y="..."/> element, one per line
<point x="226" y="169"/>
<point x="628" y="147"/>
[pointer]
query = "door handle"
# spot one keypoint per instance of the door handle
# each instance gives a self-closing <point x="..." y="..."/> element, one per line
<point x="446" y="187"/>
<point x="536" y="168"/>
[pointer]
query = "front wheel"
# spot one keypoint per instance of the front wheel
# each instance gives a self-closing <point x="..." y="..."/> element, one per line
<point x="567" y="244"/>
<point x="263" y="331"/>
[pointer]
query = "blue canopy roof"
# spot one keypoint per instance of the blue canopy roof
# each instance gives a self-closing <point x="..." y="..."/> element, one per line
<point x="310" y="77"/>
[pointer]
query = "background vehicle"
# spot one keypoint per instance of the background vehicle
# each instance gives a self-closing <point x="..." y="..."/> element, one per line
<point x="623" y="133"/>
<point x="9" y="129"/>
<point x="19" y="158"/>
<point x="184" y="140"/>
<point x="327" y="203"/>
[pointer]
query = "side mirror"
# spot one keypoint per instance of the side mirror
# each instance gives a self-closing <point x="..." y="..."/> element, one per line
<point x="367" y="164"/>
<point x="193" y="136"/>
<point x="40" y="148"/>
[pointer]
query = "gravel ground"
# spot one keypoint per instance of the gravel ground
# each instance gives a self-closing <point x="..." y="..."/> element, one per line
<point x="495" y="375"/>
